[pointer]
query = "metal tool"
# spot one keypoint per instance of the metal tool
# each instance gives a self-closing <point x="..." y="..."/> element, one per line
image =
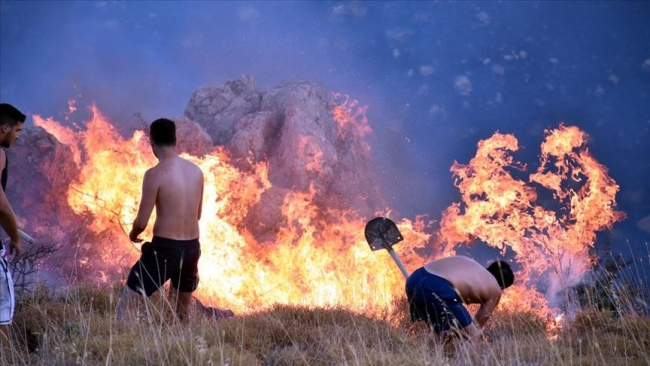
<point x="382" y="233"/>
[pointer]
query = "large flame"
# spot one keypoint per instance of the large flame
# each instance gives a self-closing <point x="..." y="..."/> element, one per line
<point x="550" y="236"/>
<point x="310" y="262"/>
<point x="318" y="255"/>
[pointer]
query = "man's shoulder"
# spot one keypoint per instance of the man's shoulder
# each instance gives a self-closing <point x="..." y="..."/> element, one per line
<point x="190" y="163"/>
<point x="153" y="170"/>
<point x="191" y="166"/>
<point x="181" y="166"/>
<point x="151" y="175"/>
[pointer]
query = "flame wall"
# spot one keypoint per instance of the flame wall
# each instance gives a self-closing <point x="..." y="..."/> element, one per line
<point x="289" y="188"/>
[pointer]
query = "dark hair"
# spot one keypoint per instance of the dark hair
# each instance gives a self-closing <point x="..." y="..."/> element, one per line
<point x="10" y="115"/>
<point x="162" y="132"/>
<point x="502" y="272"/>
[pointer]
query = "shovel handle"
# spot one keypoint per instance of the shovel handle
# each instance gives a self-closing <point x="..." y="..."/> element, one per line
<point x="399" y="263"/>
<point x="25" y="237"/>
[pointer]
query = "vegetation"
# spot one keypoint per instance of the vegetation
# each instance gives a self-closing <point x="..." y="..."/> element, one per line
<point x="607" y="322"/>
<point x="78" y="327"/>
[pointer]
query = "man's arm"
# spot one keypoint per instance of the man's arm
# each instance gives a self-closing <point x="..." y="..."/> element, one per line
<point x="473" y="331"/>
<point x="201" y="198"/>
<point x="8" y="218"/>
<point x="147" y="203"/>
<point x="486" y="309"/>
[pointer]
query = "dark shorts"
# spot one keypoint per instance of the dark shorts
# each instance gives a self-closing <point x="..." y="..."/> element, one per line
<point x="434" y="299"/>
<point x="163" y="259"/>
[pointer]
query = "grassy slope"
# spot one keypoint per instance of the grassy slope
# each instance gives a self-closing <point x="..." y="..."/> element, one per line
<point x="78" y="328"/>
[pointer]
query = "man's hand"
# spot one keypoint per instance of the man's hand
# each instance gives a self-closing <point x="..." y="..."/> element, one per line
<point x="133" y="235"/>
<point x="20" y="223"/>
<point x="486" y="336"/>
<point x="16" y="249"/>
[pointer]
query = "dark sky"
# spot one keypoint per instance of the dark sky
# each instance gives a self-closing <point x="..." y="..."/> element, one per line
<point x="437" y="76"/>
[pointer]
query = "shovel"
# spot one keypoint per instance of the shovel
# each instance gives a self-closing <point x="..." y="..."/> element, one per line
<point x="25" y="237"/>
<point x="382" y="233"/>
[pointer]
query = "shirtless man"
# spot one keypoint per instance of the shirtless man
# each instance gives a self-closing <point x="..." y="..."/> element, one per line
<point x="11" y="123"/>
<point x="175" y="188"/>
<point x="437" y="291"/>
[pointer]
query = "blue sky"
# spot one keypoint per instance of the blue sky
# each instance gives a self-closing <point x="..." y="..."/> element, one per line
<point x="437" y="76"/>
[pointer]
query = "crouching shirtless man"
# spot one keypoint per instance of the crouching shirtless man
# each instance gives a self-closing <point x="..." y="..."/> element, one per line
<point x="175" y="188"/>
<point x="437" y="291"/>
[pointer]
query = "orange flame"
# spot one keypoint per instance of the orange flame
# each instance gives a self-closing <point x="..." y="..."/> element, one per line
<point x="350" y="117"/>
<point x="309" y="148"/>
<point x="504" y="211"/>
<point x="310" y="262"/>
<point x="326" y="262"/>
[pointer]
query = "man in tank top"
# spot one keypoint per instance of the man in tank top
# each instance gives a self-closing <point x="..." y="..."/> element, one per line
<point x="11" y="123"/>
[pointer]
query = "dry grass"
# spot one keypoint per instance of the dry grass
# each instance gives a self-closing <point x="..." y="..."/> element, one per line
<point x="78" y="327"/>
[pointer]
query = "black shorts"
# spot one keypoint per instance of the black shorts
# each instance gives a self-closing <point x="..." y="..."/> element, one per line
<point x="163" y="259"/>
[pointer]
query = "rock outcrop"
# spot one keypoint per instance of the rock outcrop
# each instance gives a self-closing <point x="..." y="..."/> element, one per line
<point x="292" y="128"/>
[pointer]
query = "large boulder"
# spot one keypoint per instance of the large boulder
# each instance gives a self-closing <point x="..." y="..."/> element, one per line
<point x="218" y="108"/>
<point x="191" y="138"/>
<point x="256" y="136"/>
<point x="293" y="130"/>
<point x="304" y="152"/>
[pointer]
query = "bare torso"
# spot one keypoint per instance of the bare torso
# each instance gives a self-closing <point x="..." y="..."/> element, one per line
<point x="178" y="199"/>
<point x="175" y="188"/>
<point x="472" y="281"/>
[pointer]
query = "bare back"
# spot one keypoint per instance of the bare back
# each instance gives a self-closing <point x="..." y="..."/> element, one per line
<point x="472" y="281"/>
<point x="179" y="186"/>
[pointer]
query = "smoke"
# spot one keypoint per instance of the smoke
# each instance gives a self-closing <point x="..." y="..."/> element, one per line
<point x="437" y="77"/>
<point x="139" y="57"/>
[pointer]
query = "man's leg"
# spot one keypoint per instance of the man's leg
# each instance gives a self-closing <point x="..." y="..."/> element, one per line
<point x="186" y="283"/>
<point x="184" y="303"/>
<point x="147" y="275"/>
<point x="8" y="302"/>
<point x="127" y="306"/>
<point x="181" y="302"/>
<point x="472" y="332"/>
<point x="4" y="335"/>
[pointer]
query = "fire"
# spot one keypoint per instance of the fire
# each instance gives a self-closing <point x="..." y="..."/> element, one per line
<point x="550" y="243"/>
<point x="309" y="148"/>
<point x="109" y="158"/>
<point x="350" y="117"/>
<point x="555" y="326"/>
<point x="318" y="256"/>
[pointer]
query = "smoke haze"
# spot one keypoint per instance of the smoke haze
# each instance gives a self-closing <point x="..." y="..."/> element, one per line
<point x="437" y="77"/>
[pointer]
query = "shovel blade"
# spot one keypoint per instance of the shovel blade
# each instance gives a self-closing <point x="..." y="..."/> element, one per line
<point x="382" y="233"/>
